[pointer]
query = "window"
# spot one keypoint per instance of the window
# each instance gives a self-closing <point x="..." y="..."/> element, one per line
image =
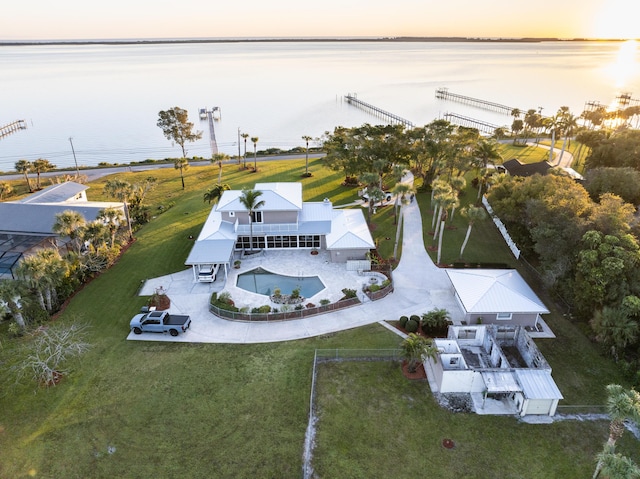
<point x="504" y="316"/>
<point x="256" y="217"/>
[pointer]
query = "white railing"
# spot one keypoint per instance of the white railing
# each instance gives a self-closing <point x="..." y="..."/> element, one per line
<point x="267" y="228"/>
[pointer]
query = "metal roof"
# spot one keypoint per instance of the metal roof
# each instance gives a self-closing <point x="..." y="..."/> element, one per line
<point x="500" y="381"/>
<point x="57" y="193"/>
<point x="30" y="218"/>
<point x="349" y="230"/>
<point x="494" y="291"/>
<point x="538" y="384"/>
<point x="276" y="197"/>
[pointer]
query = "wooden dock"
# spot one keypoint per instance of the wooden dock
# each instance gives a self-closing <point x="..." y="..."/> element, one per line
<point x="390" y="117"/>
<point x="467" y="122"/>
<point x="445" y="94"/>
<point x="12" y="127"/>
<point x="212" y="134"/>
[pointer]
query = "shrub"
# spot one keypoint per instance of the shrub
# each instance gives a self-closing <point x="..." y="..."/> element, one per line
<point x="416" y="318"/>
<point x="349" y="293"/>
<point x="295" y="294"/>
<point x="411" y="326"/>
<point x="324" y="302"/>
<point x="264" y="309"/>
<point x="225" y="297"/>
<point x="403" y="321"/>
<point x="298" y="307"/>
<point x="386" y="283"/>
<point x="374" y="287"/>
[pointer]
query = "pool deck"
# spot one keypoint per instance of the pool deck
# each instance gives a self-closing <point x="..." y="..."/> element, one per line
<point x="419" y="286"/>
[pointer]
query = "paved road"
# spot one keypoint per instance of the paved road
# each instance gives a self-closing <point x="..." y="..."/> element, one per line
<point x="95" y="173"/>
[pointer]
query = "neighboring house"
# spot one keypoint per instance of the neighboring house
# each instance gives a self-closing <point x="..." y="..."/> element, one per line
<point x="496" y="296"/>
<point x="284" y="222"/>
<point x="515" y="168"/>
<point x="27" y="224"/>
<point x="496" y="363"/>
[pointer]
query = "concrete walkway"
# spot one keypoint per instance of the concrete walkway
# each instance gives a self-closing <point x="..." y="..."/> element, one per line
<point x="419" y="286"/>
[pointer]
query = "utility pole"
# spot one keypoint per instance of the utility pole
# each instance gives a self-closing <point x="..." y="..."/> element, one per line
<point x="74" y="157"/>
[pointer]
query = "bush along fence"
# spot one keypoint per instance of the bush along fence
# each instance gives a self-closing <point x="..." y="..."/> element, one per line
<point x="223" y="307"/>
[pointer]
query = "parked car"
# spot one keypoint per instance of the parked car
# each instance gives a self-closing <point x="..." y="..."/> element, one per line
<point x="159" y="322"/>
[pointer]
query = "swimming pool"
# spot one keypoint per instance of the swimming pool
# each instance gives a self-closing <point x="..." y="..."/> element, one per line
<point x="265" y="282"/>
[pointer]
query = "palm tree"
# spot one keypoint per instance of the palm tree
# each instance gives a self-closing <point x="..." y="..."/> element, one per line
<point x="5" y="189"/>
<point x="307" y="139"/>
<point x="215" y="193"/>
<point x="111" y="217"/>
<point x="517" y="124"/>
<point x="122" y="191"/>
<point x="415" y="349"/>
<point x="41" y="166"/>
<point x="25" y="167"/>
<point x="473" y="214"/>
<point x="569" y="124"/>
<point x="615" y="466"/>
<point x="614" y="328"/>
<point x="12" y="294"/>
<point x="255" y="139"/>
<point x="31" y="270"/>
<point x="219" y="158"/>
<point x="95" y="234"/>
<point x="446" y="203"/>
<point x="245" y="136"/>
<point x="622" y="404"/>
<point x="69" y="224"/>
<point x="181" y="164"/>
<point x="250" y="200"/>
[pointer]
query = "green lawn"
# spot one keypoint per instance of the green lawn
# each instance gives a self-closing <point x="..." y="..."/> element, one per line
<point x="207" y="410"/>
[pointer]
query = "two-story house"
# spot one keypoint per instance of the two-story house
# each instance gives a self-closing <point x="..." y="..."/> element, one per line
<point x="283" y="222"/>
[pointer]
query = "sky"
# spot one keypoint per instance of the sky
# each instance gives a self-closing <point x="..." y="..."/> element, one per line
<point x="138" y="19"/>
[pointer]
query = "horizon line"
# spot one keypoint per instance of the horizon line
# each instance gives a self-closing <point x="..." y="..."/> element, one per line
<point x="86" y="41"/>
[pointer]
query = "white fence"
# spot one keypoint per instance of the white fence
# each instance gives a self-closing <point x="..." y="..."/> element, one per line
<point x="503" y="230"/>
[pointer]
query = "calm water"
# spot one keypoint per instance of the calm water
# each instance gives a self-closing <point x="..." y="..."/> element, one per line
<point x="107" y="97"/>
<point x="264" y="282"/>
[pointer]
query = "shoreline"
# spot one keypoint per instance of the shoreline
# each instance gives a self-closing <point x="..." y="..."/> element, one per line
<point x="141" y="41"/>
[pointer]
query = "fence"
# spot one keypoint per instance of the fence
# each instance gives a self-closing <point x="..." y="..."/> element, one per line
<point x="334" y="355"/>
<point x="502" y="228"/>
<point x="582" y="409"/>
<point x="304" y="312"/>
<point x="283" y="316"/>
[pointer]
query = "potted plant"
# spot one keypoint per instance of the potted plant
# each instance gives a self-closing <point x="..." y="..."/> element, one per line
<point x="314" y="251"/>
<point x="236" y="264"/>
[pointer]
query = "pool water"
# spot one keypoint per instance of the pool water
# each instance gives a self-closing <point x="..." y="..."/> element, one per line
<point x="265" y="282"/>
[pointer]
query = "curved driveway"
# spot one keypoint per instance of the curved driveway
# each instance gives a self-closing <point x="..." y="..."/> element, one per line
<point x="419" y="286"/>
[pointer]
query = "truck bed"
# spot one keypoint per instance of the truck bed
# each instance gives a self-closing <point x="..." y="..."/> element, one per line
<point x="176" y="319"/>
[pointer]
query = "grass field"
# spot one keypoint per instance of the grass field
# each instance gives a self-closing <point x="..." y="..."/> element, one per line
<point x="132" y="409"/>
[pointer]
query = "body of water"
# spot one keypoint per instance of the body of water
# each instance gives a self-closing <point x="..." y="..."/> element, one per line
<point x="107" y="97"/>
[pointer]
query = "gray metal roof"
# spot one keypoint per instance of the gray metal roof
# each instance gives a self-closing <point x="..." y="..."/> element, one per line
<point x="39" y="218"/>
<point x="500" y="381"/>
<point x="55" y="193"/>
<point x="494" y="291"/>
<point x="538" y="384"/>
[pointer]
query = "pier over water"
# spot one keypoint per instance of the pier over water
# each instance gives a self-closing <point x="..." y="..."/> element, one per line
<point x="445" y="94"/>
<point x="393" y="119"/>
<point x="481" y="126"/>
<point x="12" y="127"/>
